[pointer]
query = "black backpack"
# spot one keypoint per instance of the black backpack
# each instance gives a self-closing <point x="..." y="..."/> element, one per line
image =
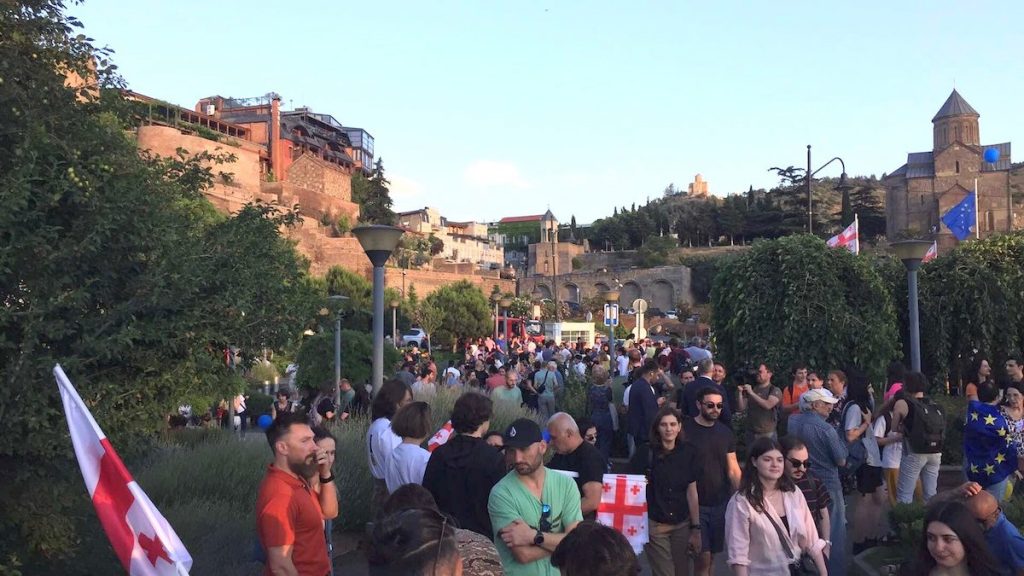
<point x="927" y="427"/>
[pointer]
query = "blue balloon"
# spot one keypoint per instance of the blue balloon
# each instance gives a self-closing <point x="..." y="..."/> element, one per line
<point x="992" y="155"/>
<point x="265" y="421"/>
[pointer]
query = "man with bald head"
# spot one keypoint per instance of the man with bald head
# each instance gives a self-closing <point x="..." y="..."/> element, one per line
<point x="1003" y="538"/>
<point x="581" y="460"/>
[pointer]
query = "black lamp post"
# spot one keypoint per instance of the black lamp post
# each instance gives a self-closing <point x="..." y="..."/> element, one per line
<point x="505" y="304"/>
<point x="843" y="185"/>
<point x="378" y="242"/>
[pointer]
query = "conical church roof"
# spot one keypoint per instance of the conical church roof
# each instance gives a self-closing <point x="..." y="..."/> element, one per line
<point x="955" y="106"/>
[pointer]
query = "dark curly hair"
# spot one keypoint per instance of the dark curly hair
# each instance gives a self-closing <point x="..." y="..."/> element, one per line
<point x="386" y="402"/>
<point x="471" y="410"/>
<point x="413" y="542"/>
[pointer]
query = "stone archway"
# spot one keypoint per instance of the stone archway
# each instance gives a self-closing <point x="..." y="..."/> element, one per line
<point x="662" y="295"/>
<point x="545" y="292"/>
<point x="630" y="291"/>
<point x="571" y="292"/>
<point x="600" y="288"/>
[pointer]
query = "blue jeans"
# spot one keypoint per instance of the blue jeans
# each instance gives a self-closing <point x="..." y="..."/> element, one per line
<point x="837" y="561"/>
<point x="913" y="466"/>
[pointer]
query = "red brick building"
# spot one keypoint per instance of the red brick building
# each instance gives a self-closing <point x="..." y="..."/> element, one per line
<point x="920" y="191"/>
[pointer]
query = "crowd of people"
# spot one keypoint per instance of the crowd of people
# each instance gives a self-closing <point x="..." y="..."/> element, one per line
<point x="822" y="461"/>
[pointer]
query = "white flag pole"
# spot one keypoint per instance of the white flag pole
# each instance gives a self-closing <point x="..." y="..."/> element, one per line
<point x="977" y="211"/>
<point x="856" y="231"/>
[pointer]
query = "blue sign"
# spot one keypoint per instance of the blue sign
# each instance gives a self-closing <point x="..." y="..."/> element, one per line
<point x="611" y="314"/>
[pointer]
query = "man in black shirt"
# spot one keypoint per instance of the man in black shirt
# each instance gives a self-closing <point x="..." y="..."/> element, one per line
<point x="461" y="472"/>
<point x="581" y="458"/>
<point x="718" y="472"/>
<point x="688" y="406"/>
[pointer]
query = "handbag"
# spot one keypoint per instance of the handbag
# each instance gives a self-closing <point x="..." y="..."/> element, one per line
<point x="802" y="566"/>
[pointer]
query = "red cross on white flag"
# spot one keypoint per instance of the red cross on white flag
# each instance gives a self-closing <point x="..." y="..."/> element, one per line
<point x="144" y="542"/>
<point x="441" y="437"/>
<point x="624" y="507"/>
<point x="848" y="238"/>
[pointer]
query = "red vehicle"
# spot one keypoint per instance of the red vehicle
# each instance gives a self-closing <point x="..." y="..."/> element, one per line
<point x="525" y="329"/>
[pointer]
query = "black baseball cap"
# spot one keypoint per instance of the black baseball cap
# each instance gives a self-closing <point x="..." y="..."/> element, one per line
<point x="522" y="433"/>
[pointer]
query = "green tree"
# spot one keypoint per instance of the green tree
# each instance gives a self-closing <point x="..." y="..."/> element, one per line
<point x="115" y="266"/>
<point x="657" y="251"/>
<point x="971" y="305"/>
<point x="373" y="196"/>
<point x="866" y="203"/>
<point x="465" y="311"/>
<point x="316" y="358"/>
<point x="767" y="310"/>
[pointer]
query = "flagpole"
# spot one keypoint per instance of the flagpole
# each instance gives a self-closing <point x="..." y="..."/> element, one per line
<point x="856" y="231"/>
<point x="977" y="211"/>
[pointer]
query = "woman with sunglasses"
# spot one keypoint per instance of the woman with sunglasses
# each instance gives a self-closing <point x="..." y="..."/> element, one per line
<point x="798" y="468"/>
<point x="673" y="510"/>
<point x="768" y="526"/>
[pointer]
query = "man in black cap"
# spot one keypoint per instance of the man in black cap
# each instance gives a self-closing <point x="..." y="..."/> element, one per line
<point x="531" y="508"/>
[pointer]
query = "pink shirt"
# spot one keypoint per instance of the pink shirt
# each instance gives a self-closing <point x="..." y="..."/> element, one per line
<point x="753" y="542"/>
<point x="896" y="387"/>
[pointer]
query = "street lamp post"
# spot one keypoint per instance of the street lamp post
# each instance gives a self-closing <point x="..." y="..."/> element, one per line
<point x="394" y="322"/>
<point x="506" y="303"/>
<point x="611" y="297"/>
<point x="378" y="241"/>
<point x="337" y="299"/>
<point x="911" y="253"/>
<point x="843" y="185"/>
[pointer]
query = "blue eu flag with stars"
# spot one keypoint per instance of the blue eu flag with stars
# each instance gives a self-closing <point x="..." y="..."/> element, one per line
<point x="990" y="453"/>
<point x="961" y="218"/>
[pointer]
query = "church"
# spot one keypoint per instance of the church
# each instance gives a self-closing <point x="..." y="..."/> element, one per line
<point x="919" y="192"/>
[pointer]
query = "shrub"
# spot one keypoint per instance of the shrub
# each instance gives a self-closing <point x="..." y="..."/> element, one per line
<point x="795" y="299"/>
<point x="316" y="359"/>
<point x="955" y="410"/>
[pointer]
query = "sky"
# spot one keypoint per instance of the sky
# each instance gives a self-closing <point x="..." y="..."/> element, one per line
<point x="493" y="108"/>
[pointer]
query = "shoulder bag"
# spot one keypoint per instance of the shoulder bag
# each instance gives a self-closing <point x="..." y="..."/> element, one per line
<point x="799" y="566"/>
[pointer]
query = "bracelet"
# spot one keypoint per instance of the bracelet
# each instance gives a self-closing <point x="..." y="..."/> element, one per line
<point x="328" y="479"/>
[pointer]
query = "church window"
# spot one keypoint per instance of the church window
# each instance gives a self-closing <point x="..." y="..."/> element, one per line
<point x="957" y="166"/>
<point x="990" y="221"/>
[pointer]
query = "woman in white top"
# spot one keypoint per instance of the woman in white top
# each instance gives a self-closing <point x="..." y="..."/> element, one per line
<point x="767" y="506"/>
<point x="380" y="440"/>
<point x="408" y="460"/>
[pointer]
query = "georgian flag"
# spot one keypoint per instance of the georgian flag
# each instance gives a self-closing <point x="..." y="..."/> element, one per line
<point x="623" y="506"/>
<point x="441" y="437"/>
<point x="931" y="254"/>
<point x="849" y="238"/>
<point x="144" y="542"/>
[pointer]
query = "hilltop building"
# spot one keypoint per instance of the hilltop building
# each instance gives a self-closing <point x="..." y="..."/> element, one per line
<point x="463" y="241"/>
<point x="920" y="191"/>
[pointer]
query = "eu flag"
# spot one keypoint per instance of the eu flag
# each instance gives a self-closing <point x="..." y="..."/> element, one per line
<point x="990" y="453"/>
<point x="961" y="218"/>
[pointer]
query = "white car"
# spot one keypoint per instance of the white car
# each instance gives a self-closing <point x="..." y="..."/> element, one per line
<point x="414" y="336"/>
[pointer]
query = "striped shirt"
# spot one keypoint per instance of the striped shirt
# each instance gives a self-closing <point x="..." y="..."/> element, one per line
<point x="815" y="493"/>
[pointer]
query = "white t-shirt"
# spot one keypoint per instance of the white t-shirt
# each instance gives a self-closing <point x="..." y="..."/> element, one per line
<point x="622" y="362"/>
<point x="380" y="443"/>
<point x="405" y="466"/>
<point x="891" y="453"/>
<point x="854" y="419"/>
<point x="625" y="396"/>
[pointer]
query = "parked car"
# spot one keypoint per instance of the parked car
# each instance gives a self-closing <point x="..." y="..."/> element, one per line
<point x="415" y="336"/>
<point x="655" y="313"/>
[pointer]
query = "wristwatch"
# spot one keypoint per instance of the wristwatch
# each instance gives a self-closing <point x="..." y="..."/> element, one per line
<point x="538" y="539"/>
<point x="694" y="526"/>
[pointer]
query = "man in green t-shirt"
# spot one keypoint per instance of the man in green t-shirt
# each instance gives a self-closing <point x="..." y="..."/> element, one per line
<point x="531" y="508"/>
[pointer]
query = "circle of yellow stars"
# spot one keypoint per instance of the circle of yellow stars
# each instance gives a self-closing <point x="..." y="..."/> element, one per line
<point x="990" y="469"/>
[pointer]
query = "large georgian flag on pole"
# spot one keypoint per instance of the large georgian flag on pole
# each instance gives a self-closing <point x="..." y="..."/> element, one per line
<point x="624" y="507"/>
<point x="849" y="238"/>
<point x="144" y="542"/>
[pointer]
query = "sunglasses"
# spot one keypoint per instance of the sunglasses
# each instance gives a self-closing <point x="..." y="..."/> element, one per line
<point x="800" y="463"/>
<point x="710" y="405"/>
<point x="545" y="517"/>
<point x="590" y="437"/>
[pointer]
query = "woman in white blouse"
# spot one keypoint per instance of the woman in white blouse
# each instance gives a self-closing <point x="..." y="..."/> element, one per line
<point x="767" y="506"/>
<point x="408" y="460"/>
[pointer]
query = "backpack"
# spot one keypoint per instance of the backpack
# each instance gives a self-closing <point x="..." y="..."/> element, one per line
<point x="927" y="429"/>
<point x="857" y="454"/>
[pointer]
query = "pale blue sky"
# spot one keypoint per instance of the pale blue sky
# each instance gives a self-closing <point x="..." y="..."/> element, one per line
<point x="492" y="108"/>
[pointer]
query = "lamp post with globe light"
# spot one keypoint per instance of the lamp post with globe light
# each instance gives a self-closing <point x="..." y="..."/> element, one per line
<point x="912" y="253"/>
<point x="378" y="241"/>
<point x="843" y="186"/>
<point x="394" y="322"/>
<point x="337" y="300"/>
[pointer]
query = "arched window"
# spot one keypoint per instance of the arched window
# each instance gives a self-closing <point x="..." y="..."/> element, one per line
<point x="957" y="166"/>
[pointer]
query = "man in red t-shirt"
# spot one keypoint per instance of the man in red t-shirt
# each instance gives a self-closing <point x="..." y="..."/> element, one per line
<point x="289" y="517"/>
